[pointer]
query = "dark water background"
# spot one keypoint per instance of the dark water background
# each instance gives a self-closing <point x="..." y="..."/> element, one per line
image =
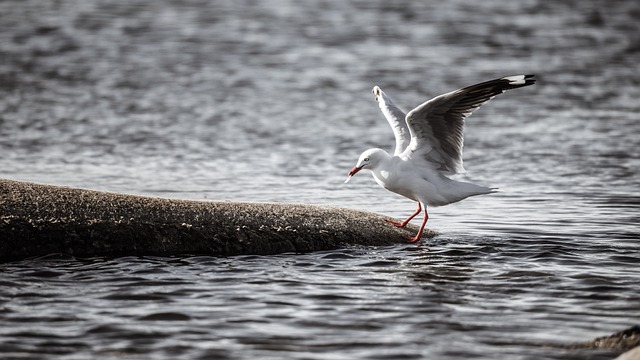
<point x="270" y="101"/>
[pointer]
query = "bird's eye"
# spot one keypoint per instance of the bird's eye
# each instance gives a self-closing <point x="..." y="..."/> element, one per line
<point x="366" y="159"/>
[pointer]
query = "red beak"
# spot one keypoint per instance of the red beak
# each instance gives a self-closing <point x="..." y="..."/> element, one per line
<point x="354" y="170"/>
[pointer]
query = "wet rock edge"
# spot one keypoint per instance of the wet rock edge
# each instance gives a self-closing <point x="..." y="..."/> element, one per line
<point x="37" y="220"/>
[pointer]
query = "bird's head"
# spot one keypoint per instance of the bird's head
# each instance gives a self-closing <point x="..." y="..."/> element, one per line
<point x="368" y="160"/>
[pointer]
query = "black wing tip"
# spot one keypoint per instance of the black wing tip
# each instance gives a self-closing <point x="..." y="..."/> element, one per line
<point x="530" y="79"/>
<point x="498" y="86"/>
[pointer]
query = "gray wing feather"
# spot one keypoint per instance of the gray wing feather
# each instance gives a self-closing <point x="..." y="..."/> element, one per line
<point x="436" y="126"/>
<point x="396" y="119"/>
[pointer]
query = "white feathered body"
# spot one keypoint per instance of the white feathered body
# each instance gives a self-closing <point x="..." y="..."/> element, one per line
<point x="427" y="185"/>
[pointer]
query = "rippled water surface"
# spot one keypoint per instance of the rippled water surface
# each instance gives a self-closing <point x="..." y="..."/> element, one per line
<point x="270" y="101"/>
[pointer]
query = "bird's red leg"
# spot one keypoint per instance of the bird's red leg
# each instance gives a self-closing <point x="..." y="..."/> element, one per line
<point x="424" y="222"/>
<point x="404" y="223"/>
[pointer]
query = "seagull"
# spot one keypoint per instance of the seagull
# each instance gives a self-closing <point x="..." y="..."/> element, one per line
<point x="429" y="147"/>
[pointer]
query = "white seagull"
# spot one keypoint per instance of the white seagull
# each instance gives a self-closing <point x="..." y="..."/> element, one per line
<point x="429" y="146"/>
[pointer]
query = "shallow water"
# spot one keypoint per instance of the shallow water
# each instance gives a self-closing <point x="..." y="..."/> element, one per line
<point x="271" y="102"/>
<point x="455" y="300"/>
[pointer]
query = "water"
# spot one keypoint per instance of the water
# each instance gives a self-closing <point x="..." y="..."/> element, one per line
<point x="231" y="100"/>
<point x="458" y="300"/>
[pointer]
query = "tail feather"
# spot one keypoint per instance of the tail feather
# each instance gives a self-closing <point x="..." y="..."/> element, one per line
<point x="463" y="190"/>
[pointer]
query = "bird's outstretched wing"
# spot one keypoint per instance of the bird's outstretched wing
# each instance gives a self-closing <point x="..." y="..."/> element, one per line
<point x="436" y="126"/>
<point x="396" y="119"/>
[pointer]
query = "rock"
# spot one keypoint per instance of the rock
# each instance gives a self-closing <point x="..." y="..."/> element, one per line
<point x="36" y="220"/>
<point x="622" y="340"/>
<point x="625" y="340"/>
<point x="633" y="354"/>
